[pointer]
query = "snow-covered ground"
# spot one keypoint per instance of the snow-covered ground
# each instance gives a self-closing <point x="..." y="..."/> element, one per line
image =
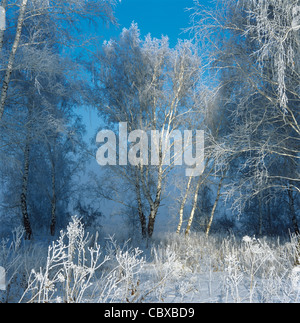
<point x="171" y="269"/>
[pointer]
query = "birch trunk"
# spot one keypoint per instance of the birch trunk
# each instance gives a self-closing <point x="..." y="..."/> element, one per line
<point x="182" y="205"/>
<point x="214" y="206"/>
<point x="26" y="221"/>
<point x="153" y="212"/>
<point x="155" y="206"/>
<point x="154" y="203"/>
<point x="24" y="209"/>
<point x="151" y="221"/>
<point x="12" y="57"/>
<point x="195" y="200"/>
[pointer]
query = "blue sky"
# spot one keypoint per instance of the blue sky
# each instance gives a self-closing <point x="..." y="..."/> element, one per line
<point x="157" y="17"/>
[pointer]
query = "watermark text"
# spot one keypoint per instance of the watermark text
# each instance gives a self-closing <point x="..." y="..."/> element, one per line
<point x="153" y="147"/>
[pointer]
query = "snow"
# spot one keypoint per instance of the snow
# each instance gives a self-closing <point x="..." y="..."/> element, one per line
<point x="172" y="268"/>
<point x="295" y="278"/>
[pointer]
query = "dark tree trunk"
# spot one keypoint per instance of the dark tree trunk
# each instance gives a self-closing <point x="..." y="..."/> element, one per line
<point x="53" y="201"/>
<point x="292" y="211"/>
<point x="151" y="221"/>
<point x="140" y="208"/>
<point x="143" y="224"/>
<point x="24" y="209"/>
<point x="53" y="217"/>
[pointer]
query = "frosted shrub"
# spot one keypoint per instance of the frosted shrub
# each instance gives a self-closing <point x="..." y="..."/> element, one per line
<point x="11" y="259"/>
<point x="9" y="250"/>
<point x="120" y="282"/>
<point x="167" y="270"/>
<point x="130" y="265"/>
<point x="198" y="268"/>
<point x="72" y="267"/>
<point x="167" y="263"/>
<point x="69" y="271"/>
<point x="255" y="254"/>
<point x="295" y="279"/>
<point x="233" y="277"/>
<point x="268" y="270"/>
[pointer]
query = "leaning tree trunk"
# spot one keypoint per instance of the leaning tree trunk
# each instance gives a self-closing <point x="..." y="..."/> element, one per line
<point x="212" y="214"/>
<point x="12" y="57"/>
<point x="201" y="180"/>
<point x="194" y="206"/>
<point x="195" y="201"/>
<point x="182" y="205"/>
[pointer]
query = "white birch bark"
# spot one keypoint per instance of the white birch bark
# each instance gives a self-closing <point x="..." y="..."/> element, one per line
<point x="214" y="206"/>
<point x="194" y="206"/>
<point x="182" y="205"/>
<point x="12" y="56"/>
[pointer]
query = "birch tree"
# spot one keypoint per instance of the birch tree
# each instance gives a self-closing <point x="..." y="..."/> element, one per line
<point x="37" y="87"/>
<point x="150" y="87"/>
<point x="65" y="16"/>
<point x="255" y="52"/>
<point x="213" y="121"/>
<point x="12" y="55"/>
